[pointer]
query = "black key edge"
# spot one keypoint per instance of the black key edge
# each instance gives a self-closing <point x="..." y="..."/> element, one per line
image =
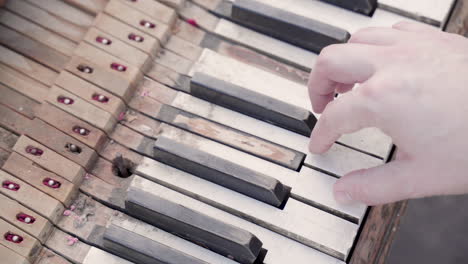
<point x="253" y="104"/>
<point x="298" y="30"/>
<point x="209" y="167"/>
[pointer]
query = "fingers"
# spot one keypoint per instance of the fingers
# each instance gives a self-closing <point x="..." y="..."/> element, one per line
<point x="383" y="184"/>
<point x="414" y="27"/>
<point x="349" y="113"/>
<point x="336" y="66"/>
<point x="377" y="36"/>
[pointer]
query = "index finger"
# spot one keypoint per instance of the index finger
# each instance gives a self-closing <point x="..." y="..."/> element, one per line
<point x="338" y="65"/>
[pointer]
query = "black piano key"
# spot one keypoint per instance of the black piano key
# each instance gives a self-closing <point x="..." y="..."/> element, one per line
<point x="222" y="238"/>
<point x="251" y="103"/>
<point x="139" y="249"/>
<point x="298" y="30"/>
<point x="220" y="171"/>
<point x="366" y="7"/>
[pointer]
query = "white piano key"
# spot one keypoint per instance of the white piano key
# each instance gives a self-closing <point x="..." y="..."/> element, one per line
<point x="168" y="239"/>
<point x="371" y="140"/>
<point x="434" y="12"/>
<point x="280" y="248"/>
<point x="272" y="47"/>
<point x="249" y="77"/>
<point x="337" y="16"/>
<point x="303" y="183"/>
<point x="338" y="160"/>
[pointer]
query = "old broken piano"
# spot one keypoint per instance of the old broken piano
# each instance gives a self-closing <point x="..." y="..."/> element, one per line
<point x="176" y="131"/>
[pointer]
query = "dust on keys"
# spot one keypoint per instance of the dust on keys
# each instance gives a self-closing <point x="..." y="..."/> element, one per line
<point x="161" y="132"/>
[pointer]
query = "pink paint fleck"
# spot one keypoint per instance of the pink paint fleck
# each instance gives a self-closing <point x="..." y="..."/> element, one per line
<point x="121" y="116"/>
<point x="87" y="177"/>
<point x="67" y="213"/>
<point x="192" y="22"/>
<point x="71" y="240"/>
<point x="72" y="207"/>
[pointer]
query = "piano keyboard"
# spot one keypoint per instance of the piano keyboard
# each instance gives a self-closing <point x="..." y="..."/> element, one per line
<point x="176" y="131"/>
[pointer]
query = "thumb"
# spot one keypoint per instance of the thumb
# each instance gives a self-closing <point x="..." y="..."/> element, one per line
<point x="382" y="184"/>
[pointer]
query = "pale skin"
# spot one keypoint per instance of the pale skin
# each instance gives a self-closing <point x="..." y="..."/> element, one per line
<point x="414" y="87"/>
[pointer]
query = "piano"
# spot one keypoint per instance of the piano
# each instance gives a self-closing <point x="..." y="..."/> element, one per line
<point x="176" y="131"/>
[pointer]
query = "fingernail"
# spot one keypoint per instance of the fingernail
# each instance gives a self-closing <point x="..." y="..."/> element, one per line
<point x="343" y="198"/>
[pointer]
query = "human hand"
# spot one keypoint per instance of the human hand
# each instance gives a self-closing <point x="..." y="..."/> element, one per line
<point x="414" y="87"/>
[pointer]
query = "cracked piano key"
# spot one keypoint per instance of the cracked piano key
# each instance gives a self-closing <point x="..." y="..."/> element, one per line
<point x="216" y="235"/>
<point x="49" y="159"/>
<point x="254" y="58"/>
<point x="30" y="197"/>
<point x="25" y="219"/>
<point x="435" y="12"/>
<point x="280" y="248"/>
<point x="140" y="249"/>
<point x="221" y="171"/>
<point x="237" y="139"/>
<point x="19" y="241"/>
<point x="301" y="31"/>
<point x="252" y="103"/>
